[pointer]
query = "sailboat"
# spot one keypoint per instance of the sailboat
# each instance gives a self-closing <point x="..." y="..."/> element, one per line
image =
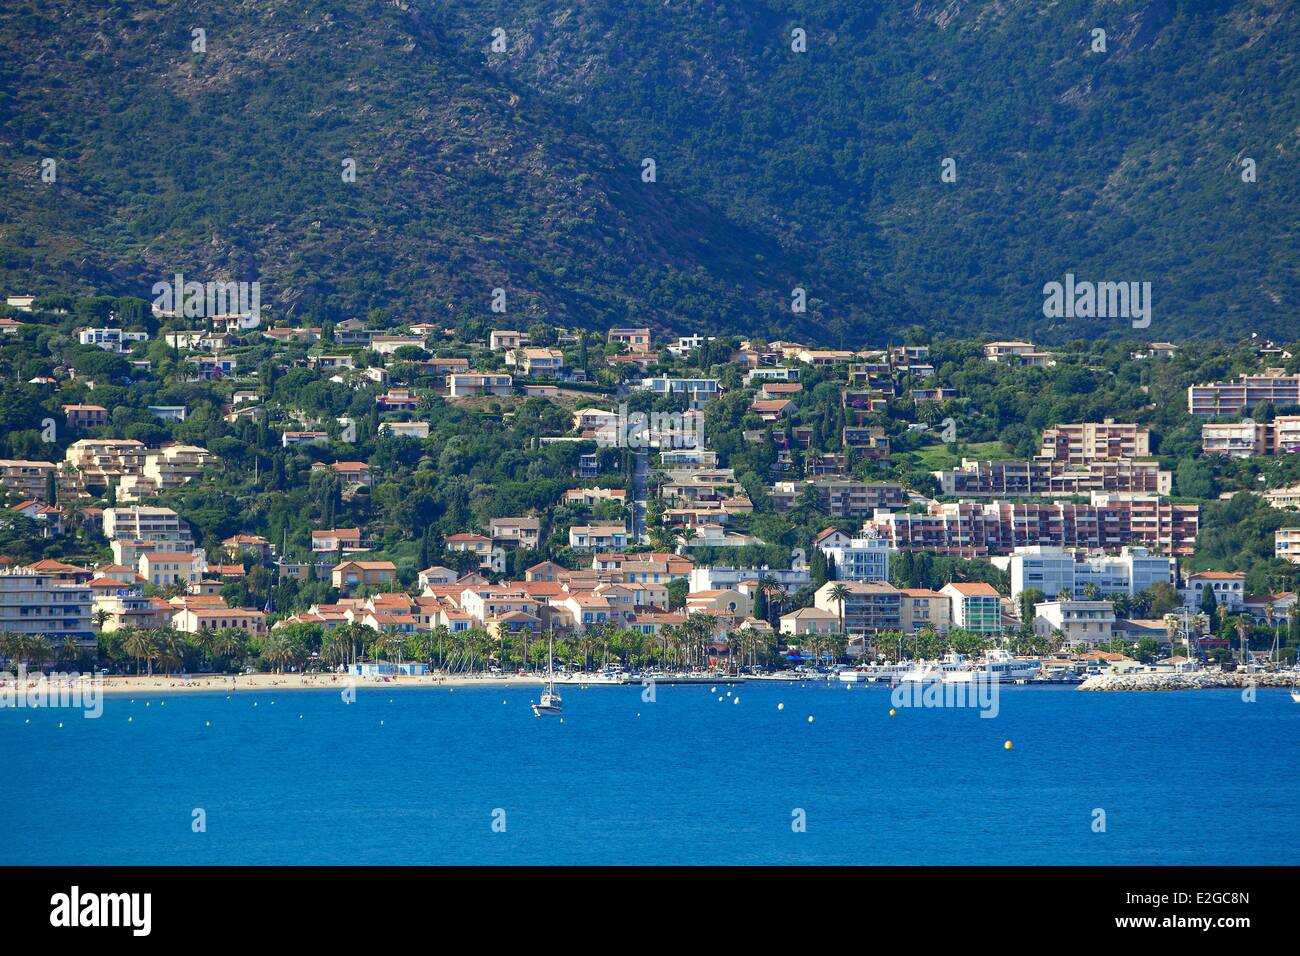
<point x="551" y="703"/>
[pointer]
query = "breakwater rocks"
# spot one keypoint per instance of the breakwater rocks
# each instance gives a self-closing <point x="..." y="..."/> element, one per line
<point x="1196" y="680"/>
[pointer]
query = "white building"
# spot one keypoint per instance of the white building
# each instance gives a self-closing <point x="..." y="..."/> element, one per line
<point x="723" y="577"/>
<point x="1053" y="570"/>
<point x="146" y="524"/>
<point x="35" y="603"/>
<point x="1286" y="544"/>
<point x="1080" y="622"/>
<point x="111" y="340"/>
<point x="859" y="559"/>
<point x="1229" y="589"/>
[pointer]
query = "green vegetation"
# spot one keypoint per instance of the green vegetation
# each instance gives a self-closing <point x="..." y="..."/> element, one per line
<point x="522" y="170"/>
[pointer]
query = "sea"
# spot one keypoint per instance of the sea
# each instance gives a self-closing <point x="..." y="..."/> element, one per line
<point x="755" y="773"/>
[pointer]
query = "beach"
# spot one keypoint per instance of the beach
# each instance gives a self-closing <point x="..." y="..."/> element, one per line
<point x="178" y="683"/>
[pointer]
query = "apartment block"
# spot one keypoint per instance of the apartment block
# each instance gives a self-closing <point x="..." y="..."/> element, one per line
<point x="25" y="479"/>
<point x="840" y="498"/>
<point x="1056" y="571"/>
<point x="147" y="524"/>
<point x="922" y="608"/>
<point x="1095" y="441"/>
<point x="1247" y="437"/>
<point x="869" y="608"/>
<point x="1229" y="398"/>
<point x="102" y="459"/>
<point x="979" y="529"/>
<point x="33" y="602"/>
<point x="976" y="606"/>
<point x="1053" y="477"/>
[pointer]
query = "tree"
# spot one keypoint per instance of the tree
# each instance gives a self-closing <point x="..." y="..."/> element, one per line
<point x="840" y="593"/>
<point x="1027" y="599"/>
<point x="1209" y="602"/>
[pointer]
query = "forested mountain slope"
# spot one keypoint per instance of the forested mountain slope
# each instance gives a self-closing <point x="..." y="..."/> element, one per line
<point x="522" y="169"/>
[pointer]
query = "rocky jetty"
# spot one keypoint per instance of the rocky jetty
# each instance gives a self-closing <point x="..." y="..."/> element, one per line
<point x="1194" y="680"/>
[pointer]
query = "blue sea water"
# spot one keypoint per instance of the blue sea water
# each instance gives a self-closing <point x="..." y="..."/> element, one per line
<point x="415" y="776"/>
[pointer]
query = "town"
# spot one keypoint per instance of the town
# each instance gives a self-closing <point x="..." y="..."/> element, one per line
<point x="242" y="493"/>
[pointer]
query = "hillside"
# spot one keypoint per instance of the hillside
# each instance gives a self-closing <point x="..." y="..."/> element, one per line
<point x="521" y="169"/>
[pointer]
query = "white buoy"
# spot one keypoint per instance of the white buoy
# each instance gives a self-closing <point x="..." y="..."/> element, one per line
<point x="780" y="706"/>
<point x="60" y="725"/>
<point x="713" y="690"/>
<point x="810" y="718"/>
<point x="735" y="700"/>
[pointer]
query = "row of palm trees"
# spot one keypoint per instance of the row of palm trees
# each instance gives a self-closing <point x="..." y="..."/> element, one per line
<point x="693" y="644"/>
<point x="38" y="651"/>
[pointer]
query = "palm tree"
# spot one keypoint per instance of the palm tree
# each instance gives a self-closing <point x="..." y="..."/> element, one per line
<point x="138" y="644"/>
<point x="1243" y="634"/>
<point x="70" y="650"/>
<point x="840" y="593"/>
<point x="275" y="651"/>
<point x="229" y="642"/>
<point x="334" y="646"/>
<point x="39" y="649"/>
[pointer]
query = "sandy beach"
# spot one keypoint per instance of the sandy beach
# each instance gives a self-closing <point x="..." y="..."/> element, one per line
<point x="175" y="683"/>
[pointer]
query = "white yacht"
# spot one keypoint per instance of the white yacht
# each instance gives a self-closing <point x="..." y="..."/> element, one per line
<point x="551" y="704"/>
<point x="997" y="666"/>
<point x="887" y="673"/>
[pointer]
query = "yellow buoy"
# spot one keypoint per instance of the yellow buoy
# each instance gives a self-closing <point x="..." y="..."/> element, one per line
<point x="892" y="712"/>
<point x="1006" y="745"/>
